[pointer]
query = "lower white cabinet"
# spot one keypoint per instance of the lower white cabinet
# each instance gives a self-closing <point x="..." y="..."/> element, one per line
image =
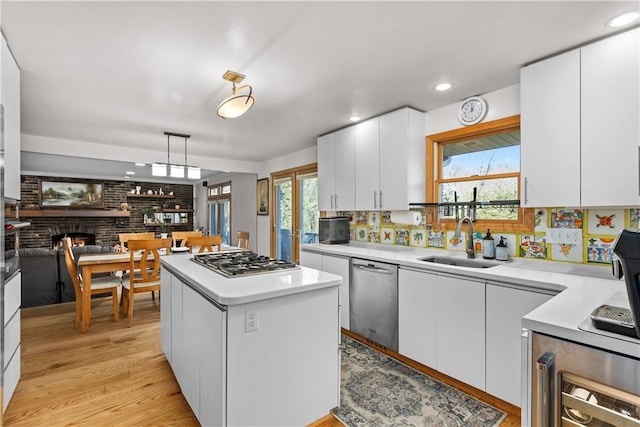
<point x="336" y="265"/>
<point x="11" y="325"/>
<point x="505" y="308"/>
<point x="441" y="324"/>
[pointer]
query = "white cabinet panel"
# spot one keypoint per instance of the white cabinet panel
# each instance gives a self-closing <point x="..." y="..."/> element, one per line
<point x="11" y="102"/>
<point x="550" y="132"/>
<point x="12" y="296"/>
<point x="460" y="342"/>
<point x="505" y="309"/>
<point x="345" y="171"/>
<point x="165" y="313"/>
<point x="191" y="340"/>
<point x="610" y="102"/>
<point x="340" y="267"/>
<point x="178" y="362"/>
<point x="368" y="165"/>
<point x="326" y="172"/>
<point x="11" y="338"/>
<point x="417" y="320"/>
<point x="311" y="260"/>
<point x="11" y="378"/>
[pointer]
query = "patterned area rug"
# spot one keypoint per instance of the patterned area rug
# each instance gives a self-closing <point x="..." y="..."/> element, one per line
<point x="377" y="390"/>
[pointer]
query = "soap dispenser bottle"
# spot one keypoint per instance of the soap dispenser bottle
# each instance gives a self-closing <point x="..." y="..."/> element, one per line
<point x="488" y="246"/>
<point x="502" y="252"/>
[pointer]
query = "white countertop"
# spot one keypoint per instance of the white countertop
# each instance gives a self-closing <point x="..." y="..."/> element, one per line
<point x="242" y="290"/>
<point x="581" y="288"/>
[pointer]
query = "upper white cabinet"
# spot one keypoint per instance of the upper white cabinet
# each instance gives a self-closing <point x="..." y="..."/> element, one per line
<point x="11" y="103"/>
<point x="385" y="170"/>
<point x="336" y="170"/>
<point x="580" y="123"/>
<point x="610" y="131"/>
<point x="550" y="132"/>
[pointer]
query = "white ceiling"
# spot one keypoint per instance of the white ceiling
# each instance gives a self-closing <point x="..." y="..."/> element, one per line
<point x="117" y="74"/>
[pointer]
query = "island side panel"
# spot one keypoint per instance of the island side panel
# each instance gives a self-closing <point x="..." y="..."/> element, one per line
<point x="286" y="372"/>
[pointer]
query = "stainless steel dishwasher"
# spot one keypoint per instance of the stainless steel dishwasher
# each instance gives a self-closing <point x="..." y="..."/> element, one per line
<point x="373" y="301"/>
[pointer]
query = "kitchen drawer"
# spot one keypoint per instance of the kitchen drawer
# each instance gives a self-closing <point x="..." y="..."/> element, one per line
<point x="11" y="338"/>
<point x="11" y="378"/>
<point x="12" y="296"/>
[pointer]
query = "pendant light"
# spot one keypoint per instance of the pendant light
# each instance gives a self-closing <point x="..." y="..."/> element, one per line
<point x="176" y="170"/>
<point x="238" y="102"/>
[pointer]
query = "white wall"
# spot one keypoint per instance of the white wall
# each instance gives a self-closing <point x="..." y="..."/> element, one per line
<point x="243" y="205"/>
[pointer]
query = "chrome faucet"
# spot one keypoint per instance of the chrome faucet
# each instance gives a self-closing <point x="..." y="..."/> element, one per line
<point x="470" y="252"/>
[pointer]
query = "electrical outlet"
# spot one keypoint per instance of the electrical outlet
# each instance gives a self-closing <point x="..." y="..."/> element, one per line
<point x="251" y="319"/>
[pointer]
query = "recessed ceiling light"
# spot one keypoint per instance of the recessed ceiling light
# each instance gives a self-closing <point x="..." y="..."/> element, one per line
<point x="130" y="173"/>
<point x="354" y="118"/>
<point x="140" y="164"/>
<point x="622" y="20"/>
<point x="127" y="177"/>
<point x="441" y="87"/>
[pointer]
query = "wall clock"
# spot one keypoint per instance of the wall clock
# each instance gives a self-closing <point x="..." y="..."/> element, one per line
<point x="472" y="110"/>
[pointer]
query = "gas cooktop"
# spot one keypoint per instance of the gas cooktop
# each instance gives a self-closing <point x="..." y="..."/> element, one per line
<point x="238" y="264"/>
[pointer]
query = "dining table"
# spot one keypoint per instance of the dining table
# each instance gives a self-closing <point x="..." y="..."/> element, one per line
<point x="91" y="264"/>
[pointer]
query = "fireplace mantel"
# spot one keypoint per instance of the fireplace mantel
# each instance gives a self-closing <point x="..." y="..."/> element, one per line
<point x="68" y="213"/>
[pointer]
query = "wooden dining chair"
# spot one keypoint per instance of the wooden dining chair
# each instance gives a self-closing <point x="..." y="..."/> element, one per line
<point x="125" y="237"/>
<point x="147" y="277"/>
<point x="205" y="243"/>
<point x="99" y="285"/>
<point x="182" y="236"/>
<point x="243" y="239"/>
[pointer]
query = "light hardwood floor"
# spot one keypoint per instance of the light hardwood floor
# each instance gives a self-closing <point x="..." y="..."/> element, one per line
<point x="115" y="375"/>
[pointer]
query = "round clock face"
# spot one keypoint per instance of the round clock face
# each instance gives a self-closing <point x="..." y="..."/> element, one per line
<point x="472" y="110"/>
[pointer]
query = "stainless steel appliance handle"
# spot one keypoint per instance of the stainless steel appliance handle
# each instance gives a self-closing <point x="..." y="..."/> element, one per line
<point x="332" y="201"/>
<point x="373" y="269"/>
<point x="544" y="366"/>
<point x="335" y="198"/>
<point x="526" y="184"/>
<point x="380" y="199"/>
<point x="638" y="170"/>
<point x="375" y="200"/>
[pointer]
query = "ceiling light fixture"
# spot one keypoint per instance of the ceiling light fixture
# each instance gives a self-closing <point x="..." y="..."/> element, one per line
<point x="130" y="172"/>
<point x="237" y="103"/>
<point x="140" y="164"/>
<point x="176" y="170"/>
<point x="354" y="118"/>
<point x="441" y="87"/>
<point x="622" y="20"/>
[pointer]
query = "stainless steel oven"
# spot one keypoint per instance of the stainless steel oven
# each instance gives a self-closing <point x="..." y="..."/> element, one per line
<point x="578" y="385"/>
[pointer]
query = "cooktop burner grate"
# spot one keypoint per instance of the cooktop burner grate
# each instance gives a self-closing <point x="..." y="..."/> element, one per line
<point x="238" y="264"/>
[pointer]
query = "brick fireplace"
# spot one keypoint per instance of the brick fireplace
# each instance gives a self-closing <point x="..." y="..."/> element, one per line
<point x="99" y="230"/>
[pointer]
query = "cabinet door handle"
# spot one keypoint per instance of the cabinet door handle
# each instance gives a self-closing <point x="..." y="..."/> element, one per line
<point x="335" y="198"/>
<point x="332" y="201"/>
<point x="639" y="170"/>
<point x="375" y="200"/>
<point x="380" y="199"/>
<point x="545" y="365"/>
<point x="526" y="185"/>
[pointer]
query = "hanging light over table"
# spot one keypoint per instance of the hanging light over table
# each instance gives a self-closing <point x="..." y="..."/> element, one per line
<point x="175" y="170"/>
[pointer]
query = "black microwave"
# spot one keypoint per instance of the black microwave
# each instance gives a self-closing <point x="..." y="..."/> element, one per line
<point x="334" y="230"/>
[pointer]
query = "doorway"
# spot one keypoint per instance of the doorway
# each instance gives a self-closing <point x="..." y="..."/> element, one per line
<point x="294" y="217"/>
<point x="219" y="211"/>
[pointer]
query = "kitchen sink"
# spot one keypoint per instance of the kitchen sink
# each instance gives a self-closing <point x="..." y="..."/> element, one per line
<point x="459" y="262"/>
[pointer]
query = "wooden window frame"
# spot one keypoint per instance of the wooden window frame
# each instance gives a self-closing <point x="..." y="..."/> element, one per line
<point x="524" y="222"/>
<point x="218" y="197"/>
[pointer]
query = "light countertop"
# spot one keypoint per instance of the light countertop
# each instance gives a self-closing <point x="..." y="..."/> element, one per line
<point x="242" y="290"/>
<point x="580" y="288"/>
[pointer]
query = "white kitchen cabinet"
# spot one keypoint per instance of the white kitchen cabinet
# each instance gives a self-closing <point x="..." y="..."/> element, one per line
<point x="390" y="161"/>
<point x="336" y="265"/>
<point x="441" y="323"/>
<point x="460" y="343"/>
<point x="336" y="170"/>
<point x="417" y="319"/>
<point x="505" y="308"/>
<point x="402" y="159"/>
<point x="165" y="313"/>
<point x="368" y="165"/>
<point x="610" y="126"/>
<point x="580" y="126"/>
<point x="10" y="94"/>
<point x="11" y="325"/>
<point x="550" y="132"/>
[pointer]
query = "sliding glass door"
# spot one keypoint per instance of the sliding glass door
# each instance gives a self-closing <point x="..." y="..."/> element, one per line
<point x="295" y="214"/>
<point x="219" y="207"/>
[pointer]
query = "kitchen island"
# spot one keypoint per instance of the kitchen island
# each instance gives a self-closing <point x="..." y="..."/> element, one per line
<point x="254" y="350"/>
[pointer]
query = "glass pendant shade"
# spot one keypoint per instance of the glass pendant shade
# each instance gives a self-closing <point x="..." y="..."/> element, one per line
<point x="237" y="104"/>
<point x="177" y="171"/>
<point x="193" y="173"/>
<point x="159" y="169"/>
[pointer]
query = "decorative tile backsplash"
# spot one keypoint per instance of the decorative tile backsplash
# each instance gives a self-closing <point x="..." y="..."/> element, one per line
<point x="560" y="234"/>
